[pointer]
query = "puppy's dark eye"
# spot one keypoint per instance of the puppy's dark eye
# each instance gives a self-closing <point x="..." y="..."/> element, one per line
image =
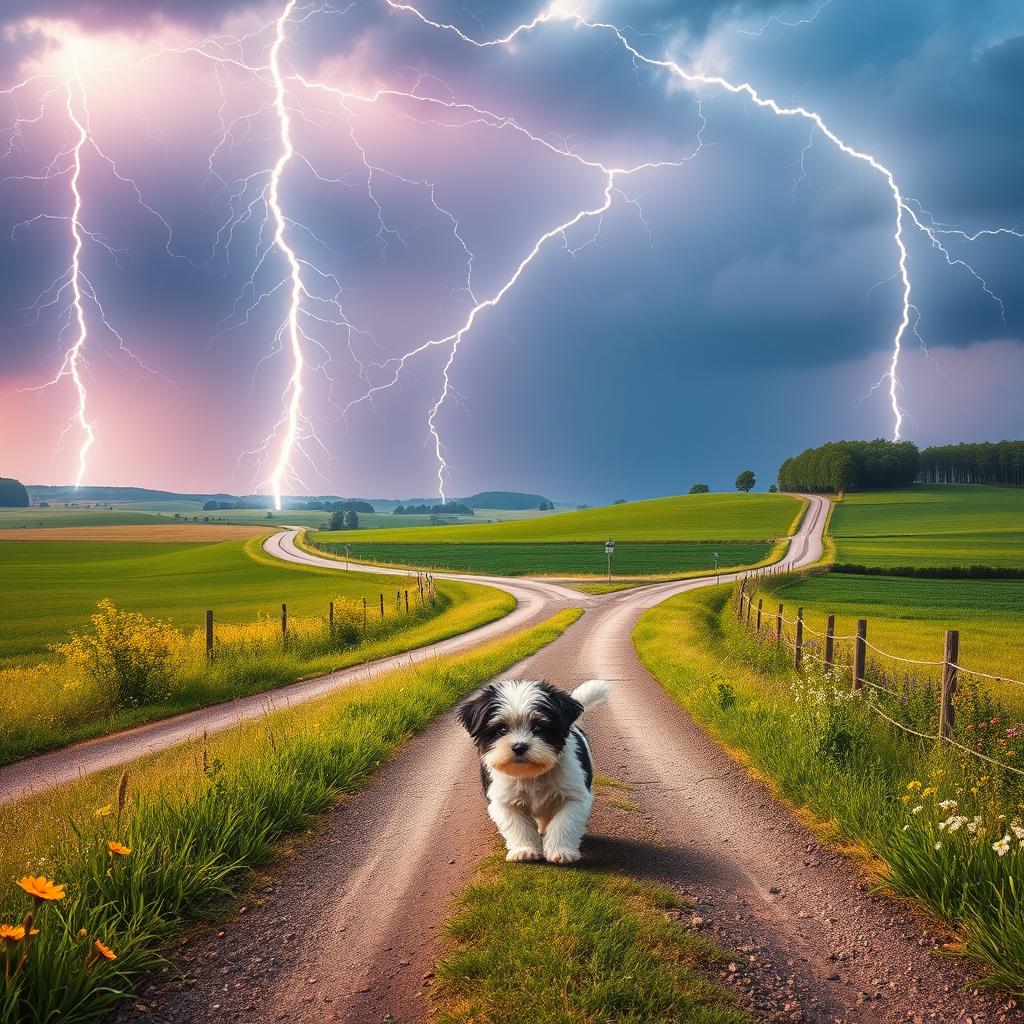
<point x="536" y="729"/>
<point x="501" y="730"/>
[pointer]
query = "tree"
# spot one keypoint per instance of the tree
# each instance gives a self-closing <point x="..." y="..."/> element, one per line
<point x="545" y="505"/>
<point x="619" y="501"/>
<point x="773" y="488"/>
<point x="337" y="521"/>
<point x="745" y="481"/>
<point x="351" y="519"/>
<point x="700" y="489"/>
<point x="12" y="493"/>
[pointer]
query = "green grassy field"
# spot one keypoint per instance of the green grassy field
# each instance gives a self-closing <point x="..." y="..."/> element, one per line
<point x="698" y="517"/>
<point x="53" y="587"/>
<point x="909" y="617"/>
<point x="935" y="525"/>
<point x="12" y="518"/>
<point x="581" y="559"/>
<point x="826" y="750"/>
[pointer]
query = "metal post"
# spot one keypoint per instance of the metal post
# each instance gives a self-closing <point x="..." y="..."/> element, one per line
<point x="830" y="639"/>
<point x="947" y="716"/>
<point x="860" y="650"/>
<point x="209" y="634"/>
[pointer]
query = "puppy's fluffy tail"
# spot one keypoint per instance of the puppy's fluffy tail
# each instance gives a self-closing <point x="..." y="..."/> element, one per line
<point x="593" y="691"/>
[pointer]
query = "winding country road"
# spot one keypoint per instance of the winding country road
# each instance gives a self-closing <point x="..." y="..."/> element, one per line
<point x="345" y="927"/>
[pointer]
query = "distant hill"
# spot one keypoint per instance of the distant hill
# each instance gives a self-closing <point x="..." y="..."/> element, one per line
<point x="507" y="500"/>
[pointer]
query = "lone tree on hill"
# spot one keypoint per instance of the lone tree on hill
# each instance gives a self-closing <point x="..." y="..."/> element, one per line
<point x="700" y="489"/>
<point x="745" y="481"/>
<point x="12" y="493"/>
<point x="351" y="519"/>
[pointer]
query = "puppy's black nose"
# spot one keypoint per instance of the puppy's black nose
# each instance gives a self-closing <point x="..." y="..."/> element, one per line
<point x="520" y="748"/>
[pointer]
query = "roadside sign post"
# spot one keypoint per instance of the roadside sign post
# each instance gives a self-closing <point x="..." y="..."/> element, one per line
<point x="609" y="550"/>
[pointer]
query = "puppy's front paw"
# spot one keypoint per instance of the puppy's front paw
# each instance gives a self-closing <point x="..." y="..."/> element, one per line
<point x="562" y="856"/>
<point x="524" y="853"/>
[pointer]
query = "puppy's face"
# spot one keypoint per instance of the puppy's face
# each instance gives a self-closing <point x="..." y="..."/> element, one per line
<point x="520" y="727"/>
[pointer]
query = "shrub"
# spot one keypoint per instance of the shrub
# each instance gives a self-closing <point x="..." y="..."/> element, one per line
<point x="126" y="654"/>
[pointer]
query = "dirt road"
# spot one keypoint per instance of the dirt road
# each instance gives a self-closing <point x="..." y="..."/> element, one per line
<point x="345" y="930"/>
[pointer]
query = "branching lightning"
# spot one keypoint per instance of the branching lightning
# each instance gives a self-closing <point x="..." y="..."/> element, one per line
<point x="284" y="262"/>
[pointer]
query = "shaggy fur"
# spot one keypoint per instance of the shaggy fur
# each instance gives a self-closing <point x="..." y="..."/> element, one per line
<point x="535" y="764"/>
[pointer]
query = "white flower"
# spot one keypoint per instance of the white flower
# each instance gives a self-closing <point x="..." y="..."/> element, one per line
<point x="954" y="822"/>
<point x="918" y="809"/>
<point x="938" y="846"/>
<point x="905" y="827"/>
<point x="948" y="805"/>
<point x="974" y="825"/>
<point x="1002" y="846"/>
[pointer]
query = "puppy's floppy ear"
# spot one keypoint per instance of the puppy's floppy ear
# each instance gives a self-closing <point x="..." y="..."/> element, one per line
<point x="567" y="709"/>
<point x="475" y="712"/>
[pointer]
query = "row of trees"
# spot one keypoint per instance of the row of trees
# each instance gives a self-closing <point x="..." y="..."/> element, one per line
<point x="347" y="520"/>
<point x="851" y="465"/>
<point x="991" y="462"/>
<point x="449" y="508"/>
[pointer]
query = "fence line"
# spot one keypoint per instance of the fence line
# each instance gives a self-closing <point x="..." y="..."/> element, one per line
<point x="949" y="665"/>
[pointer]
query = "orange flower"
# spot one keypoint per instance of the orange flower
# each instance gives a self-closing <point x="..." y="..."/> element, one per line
<point x="104" y="951"/>
<point x="117" y="850"/>
<point x="41" y="888"/>
<point x="11" y="932"/>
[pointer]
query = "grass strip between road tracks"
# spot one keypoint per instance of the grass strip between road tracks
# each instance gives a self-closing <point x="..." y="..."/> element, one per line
<point x="538" y="944"/>
<point x="195" y="819"/>
<point x="930" y="822"/>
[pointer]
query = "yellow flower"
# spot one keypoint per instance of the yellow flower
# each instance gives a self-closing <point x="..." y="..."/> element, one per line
<point x="914" y="786"/>
<point x="12" y="932"/>
<point x="104" y="951"/>
<point x="82" y="933"/>
<point x="41" y="888"/>
<point x="930" y="791"/>
<point x="117" y="850"/>
<point x="103" y="812"/>
<point x="905" y="798"/>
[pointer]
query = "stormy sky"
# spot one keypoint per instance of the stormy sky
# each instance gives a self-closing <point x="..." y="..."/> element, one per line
<point x="736" y="303"/>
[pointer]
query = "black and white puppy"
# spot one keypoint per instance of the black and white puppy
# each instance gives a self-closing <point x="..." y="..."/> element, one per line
<point x="535" y="764"/>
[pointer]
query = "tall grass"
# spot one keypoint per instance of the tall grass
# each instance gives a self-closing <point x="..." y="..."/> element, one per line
<point x="194" y="819"/>
<point x="942" y="825"/>
<point x="125" y="668"/>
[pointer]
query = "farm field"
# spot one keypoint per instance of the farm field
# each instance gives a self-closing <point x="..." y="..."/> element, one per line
<point x="931" y="525"/>
<point x="698" y="517"/>
<point x="46" y="518"/>
<point x="644" y="558"/>
<point x="909" y="617"/>
<point x="56" y="585"/>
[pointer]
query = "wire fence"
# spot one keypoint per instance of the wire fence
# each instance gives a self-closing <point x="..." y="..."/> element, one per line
<point x="933" y="700"/>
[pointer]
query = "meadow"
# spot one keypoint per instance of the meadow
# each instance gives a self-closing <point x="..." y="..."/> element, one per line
<point x="697" y="517"/>
<point x="931" y="821"/>
<point x="189" y="823"/>
<point x="51" y="588"/>
<point x="908" y="617"/>
<point x="931" y="525"/>
<point x="579" y="559"/>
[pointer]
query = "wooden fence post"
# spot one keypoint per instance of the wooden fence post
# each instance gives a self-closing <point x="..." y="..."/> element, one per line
<point x="860" y="651"/>
<point x="749" y="605"/>
<point x="407" y="602"/>
<point x="398" y="601"/>
<point x="799" y="647"/>
<point x="759" y="603"/>
<point x="949" y="680"/>
<point x="830" y="640"/>
<point x="382" y="604"/>
<point x="284" y="623"/>
<point x="778" y="623"/>
<point x="209" y="634"/>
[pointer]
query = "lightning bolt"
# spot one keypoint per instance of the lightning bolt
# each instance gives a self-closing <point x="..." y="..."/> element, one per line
<point x="294" y="390"/>
<point x="903" y="208"/>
